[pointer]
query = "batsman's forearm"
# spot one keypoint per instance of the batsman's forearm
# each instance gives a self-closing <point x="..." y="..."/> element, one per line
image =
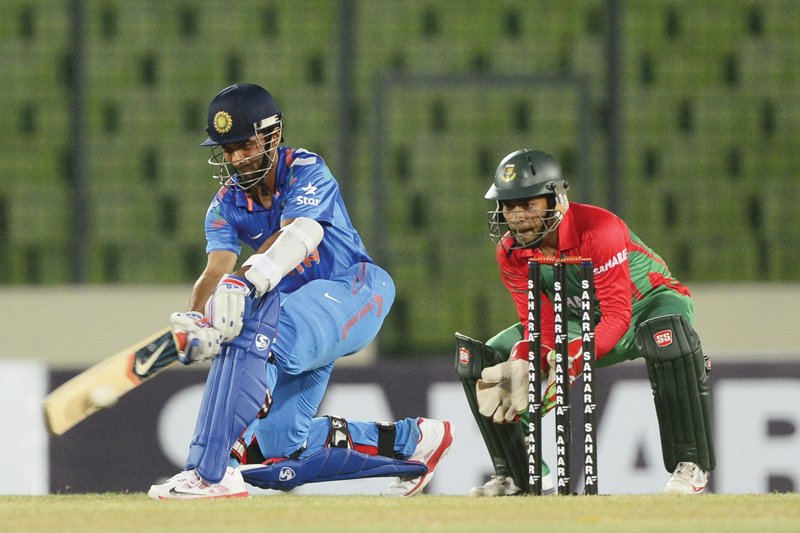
<point x="202" y="290"/>
<point x="220" y="263"/>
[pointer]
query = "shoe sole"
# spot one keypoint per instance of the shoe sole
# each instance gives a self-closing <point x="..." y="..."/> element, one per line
<point x="694" y="491"/>
<point x="441" y="451"/>
<point x="200" y="497"/>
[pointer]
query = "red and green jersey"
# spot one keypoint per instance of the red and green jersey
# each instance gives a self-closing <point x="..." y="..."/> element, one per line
<point x="627" y="273"/>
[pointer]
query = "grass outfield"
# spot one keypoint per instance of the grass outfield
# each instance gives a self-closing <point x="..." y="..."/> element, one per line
<point x="135" y="512"/>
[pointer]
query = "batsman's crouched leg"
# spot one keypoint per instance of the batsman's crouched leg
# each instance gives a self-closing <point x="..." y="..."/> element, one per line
<point x="505" y="442"/>
<point x="679" y="378"/>
<point x="334" y="454"/>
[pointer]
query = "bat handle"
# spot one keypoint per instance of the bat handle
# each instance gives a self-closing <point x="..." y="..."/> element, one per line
<point x="180" y="340"/>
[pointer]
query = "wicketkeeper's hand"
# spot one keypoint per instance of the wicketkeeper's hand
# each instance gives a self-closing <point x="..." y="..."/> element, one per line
<point x="203" y="342"/>
<point x="574" y="349"/>
<point x="225" y="308"/>
<point x="502" y="390"/>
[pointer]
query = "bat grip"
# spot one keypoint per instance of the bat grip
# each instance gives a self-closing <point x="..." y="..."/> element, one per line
<point x="180" y="340"/>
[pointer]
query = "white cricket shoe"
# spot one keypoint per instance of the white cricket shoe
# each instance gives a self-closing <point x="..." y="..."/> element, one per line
<point x="188" y="485"/>
<point x="172" y="482"/>
<point x="496" y="486"/>
<point x="688" y="478"/>
<point x="435" y="438"/>
<point x="505" y="486"/>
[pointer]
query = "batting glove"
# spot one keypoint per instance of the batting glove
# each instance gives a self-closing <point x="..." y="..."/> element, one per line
<point x="202" y="341"/>
<point x="226" y="307"/>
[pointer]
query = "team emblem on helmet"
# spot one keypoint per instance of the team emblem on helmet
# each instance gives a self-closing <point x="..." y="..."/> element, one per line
<point x="510" y="173"/>
<point x="223" y="122"/>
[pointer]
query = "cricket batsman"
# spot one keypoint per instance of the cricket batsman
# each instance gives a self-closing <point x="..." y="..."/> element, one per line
<point x="643" y="311"/>
<point x="274" y="327"/>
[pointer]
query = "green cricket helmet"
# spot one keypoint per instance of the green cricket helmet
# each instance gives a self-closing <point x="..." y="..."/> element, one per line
<point x="526" y="174"/>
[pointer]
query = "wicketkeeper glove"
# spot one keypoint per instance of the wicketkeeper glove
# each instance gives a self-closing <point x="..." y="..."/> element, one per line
<point x="226" y="307"/>
<point x="203" y="342"/>
<point x="502" y="390"/>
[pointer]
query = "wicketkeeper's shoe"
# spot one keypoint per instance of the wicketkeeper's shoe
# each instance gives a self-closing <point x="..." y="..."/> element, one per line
<point x="187" y="485"/>
<point x="496" y="486"/>
<point x="688" y="478"/>
<point x="435" y="438"/>
<point x="505" y="486"/>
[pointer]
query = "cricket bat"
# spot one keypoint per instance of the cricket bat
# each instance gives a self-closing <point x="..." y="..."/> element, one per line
<point x="101" y="385"/>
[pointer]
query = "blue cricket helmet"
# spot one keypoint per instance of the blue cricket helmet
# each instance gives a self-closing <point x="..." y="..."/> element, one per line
<point x="240" y="111"/>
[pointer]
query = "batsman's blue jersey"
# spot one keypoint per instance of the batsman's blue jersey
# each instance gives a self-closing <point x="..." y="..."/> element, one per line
<point x="304" y="187"/>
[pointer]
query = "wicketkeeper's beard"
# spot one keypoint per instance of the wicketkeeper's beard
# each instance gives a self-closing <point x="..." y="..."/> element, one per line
<point x="527" y="233"/>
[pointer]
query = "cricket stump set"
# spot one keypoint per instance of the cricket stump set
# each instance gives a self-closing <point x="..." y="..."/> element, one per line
<point x="563" y="415"/>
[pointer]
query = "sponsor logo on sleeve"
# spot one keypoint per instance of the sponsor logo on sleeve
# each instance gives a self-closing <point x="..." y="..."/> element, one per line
<point x="309" y="189"/>
<point x="308" y="192"/>
<point x="619" y="258"/>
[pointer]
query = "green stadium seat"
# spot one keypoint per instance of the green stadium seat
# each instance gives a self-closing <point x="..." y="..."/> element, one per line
<point x="709" y="150"/>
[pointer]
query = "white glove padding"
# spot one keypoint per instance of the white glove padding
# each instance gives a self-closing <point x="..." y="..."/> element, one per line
<point x="502" y="391"/>
<point x="225" y="307"/>
<point x="202" y="341"/>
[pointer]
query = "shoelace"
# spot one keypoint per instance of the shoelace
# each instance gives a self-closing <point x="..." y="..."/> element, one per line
<point x="396" y="483"/>
<point x="496" y="480"/>
<point x="180" y="477"/>
<point x="685" y="471"/>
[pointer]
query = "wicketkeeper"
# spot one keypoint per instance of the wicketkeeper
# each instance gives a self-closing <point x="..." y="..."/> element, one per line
<point x="643" y="311"/>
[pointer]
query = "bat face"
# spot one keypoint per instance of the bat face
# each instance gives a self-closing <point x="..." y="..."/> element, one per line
<point x="77" y="399"/>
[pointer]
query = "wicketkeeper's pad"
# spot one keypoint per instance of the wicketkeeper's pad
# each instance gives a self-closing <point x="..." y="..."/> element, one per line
<point x="679" y="379"/>
<point x="505" y="442"/>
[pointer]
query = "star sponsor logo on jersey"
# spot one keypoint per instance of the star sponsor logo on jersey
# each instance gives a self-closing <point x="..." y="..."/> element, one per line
<point x="305" y="200"/>
<point x="309" y="189"/>
<point x="308" y="192"/>
<point x="663" y="338"/>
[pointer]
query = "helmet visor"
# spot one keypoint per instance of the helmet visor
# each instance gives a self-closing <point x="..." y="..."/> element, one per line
<point x="526" y="224"/>
<point x="244" y="168"/>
